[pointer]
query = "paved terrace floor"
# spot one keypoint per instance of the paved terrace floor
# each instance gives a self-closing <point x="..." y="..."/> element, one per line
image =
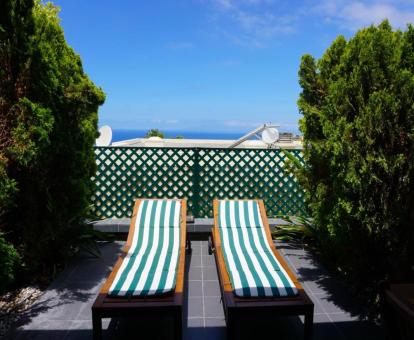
<point x="64" y="311"/>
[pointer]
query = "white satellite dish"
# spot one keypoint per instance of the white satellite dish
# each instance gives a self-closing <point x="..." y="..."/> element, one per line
<point x="105" y="136"/>
<point x="270" y="135"/>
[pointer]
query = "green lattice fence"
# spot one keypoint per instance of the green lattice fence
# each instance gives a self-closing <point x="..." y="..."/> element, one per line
<point x="198" y="174"/>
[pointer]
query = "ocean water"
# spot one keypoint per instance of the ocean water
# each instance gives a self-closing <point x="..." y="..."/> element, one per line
<point x="122" y="134"/>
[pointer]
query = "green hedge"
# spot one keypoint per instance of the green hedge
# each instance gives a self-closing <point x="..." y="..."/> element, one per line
<point x="358" y="124"/>
<point x="9" y="262"/>
<point x="48" y="119"/>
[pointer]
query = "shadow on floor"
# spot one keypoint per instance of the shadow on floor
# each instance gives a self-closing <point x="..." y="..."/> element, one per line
<point x="64" y="311"/>
<point x="318" y="281"/>
<point x="71" y="294"/>
<point x="126" y="329"/>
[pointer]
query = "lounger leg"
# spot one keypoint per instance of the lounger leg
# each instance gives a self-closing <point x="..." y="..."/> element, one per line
<point x="231" y="328"/>
<point x="96" y="326"/>
<point x="188" y="245"/>
<point x="308" y="325"/>
<point x="178" y="325"/>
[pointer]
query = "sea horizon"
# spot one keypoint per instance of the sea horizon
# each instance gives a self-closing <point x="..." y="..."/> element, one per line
<point x="125" y="134"/>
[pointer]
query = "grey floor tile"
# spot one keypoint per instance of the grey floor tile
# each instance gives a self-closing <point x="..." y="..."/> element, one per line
<point x="111" y="251"/>
<point x="195" y="322"/>
<point x="65" y="304"/>
<point x="215" y="322"/>
<point x="213" y="307"/>
<point x="353" y="328"/>
<point x="46" y="329"/>
<point x="85" y="313"/>
<point x="199" y="247"/>
<point x="195" y="288"/>
<point x="60" y="310"/>
<point x="289" y="249"/>
<point x="194" y="273"/>
<point x="307" y="265"/>
<point x="321" y="318"/>
<point x="79" y="287"/>
<point x="211" y="288"/>
<point x="91" y="270"/>
<point x="197" y="243"/>
<point x="317" y="306"/>
<point x="330" y="306"/>
<point x="314" y="287"/>
<point x="195" y="248"/>
<point x="342" y="317"/>
<point x="64" y="276"/>
<point x="209" y="261"/>
<point x="210" y="273"/>
<point x="204" y="248"/>
<point x="194" y="307"/>
<point x="194" y="260"/>
<point x="63" y="312"/>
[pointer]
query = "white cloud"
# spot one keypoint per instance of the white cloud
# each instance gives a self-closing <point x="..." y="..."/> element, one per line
<point x="225" y="4"/>
<point x="361" y="14"/>
<point x="256" y="23"/>
<point x="356" y="14"/>
<point x="250" y="22"/>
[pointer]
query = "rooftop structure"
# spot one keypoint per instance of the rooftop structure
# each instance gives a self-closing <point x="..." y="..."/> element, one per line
<point x="288" y="142"/>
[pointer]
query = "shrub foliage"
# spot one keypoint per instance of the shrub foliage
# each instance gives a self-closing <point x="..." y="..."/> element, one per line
<point x="357" y="103"/>
<point x="9" y="261"/>
<point x="154" y="133"/>
<point x="48" y="125"/>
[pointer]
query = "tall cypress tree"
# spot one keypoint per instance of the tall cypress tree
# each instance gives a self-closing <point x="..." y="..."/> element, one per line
<point x="49" y="108"/>
<point x="357" y="103"/>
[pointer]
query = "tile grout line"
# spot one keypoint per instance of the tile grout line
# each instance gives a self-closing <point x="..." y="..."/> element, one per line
<point x="336" y="327"/>
<point x="65" y="336"/>
<point x="305" y="285"/>
<point x="317" y="299"/>
<point x="287" y="257"/>
<point x="207" y="317"/>
<point x="67" y="331"/>
<point x="202" y="286"/>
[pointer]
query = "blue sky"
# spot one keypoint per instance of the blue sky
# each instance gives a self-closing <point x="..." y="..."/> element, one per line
<point x="209" y="65"/>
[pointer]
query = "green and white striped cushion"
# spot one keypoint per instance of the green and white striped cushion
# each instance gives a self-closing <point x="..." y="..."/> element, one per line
<point x="253" y="268"/>
<point x="150" y="266"/>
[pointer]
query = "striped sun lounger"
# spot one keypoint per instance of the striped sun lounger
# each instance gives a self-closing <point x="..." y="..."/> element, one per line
<point x="254" y="278"/>
<point x="253" y="268"/>
<point x="149" y="268"/>
<point x="149" y="275"/>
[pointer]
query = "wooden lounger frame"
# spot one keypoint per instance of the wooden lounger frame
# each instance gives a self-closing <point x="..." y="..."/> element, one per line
<point x="170" y="304"/>
<point x="236" y="307"/>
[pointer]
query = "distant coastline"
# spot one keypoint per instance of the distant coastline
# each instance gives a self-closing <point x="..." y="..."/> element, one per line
<point x="124" y="134"/>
